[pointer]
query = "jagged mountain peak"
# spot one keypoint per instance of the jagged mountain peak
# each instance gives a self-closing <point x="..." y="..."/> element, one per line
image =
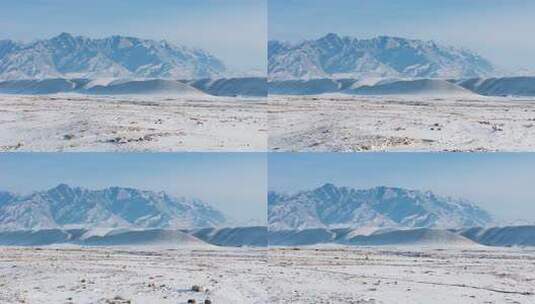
<point x="63" y="190"/>
<point x="332" y="38"/>
<point x="62" y="187"/>
<point x="63" y="37"/>
<point x="329" y="187"/>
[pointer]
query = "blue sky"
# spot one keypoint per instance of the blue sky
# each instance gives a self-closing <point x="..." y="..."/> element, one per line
<point x="502" y="183"/>
<point x="235" y="183"/>
<point x="500" y="30"/>
<point x="233" y="30"/>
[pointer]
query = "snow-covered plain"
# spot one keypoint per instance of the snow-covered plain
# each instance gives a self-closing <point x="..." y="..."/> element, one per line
<point x="410" y="275"/>
<point x="123" y="275"/>
<point x="73" y="122"/>
<point x="401" y="123"/>
<point x="297" y="275"/>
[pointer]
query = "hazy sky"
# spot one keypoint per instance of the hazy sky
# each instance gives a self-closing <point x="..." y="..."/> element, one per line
<point x="502" y="183"/>
<point x="233" y="30"/>
<point x="500" y="30"/>
<point x="233" y="183"/>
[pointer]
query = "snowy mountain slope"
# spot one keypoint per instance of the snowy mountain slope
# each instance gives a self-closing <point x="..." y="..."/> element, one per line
<point x="504" y="86"/>
<point x="339" y="207"/>
<point x="333" y="56"/>
<point x="65" y="206"/>
<point x="68" y="56"/>
<point x="502" y="236"/>
<point x="400" y="237"/>
<point x="5" y="197"/>
<point x="41" y="86"/>
<point x="226" y="237"/>
<point x="36" y="238"/>
<point x="254" y="236"/>
<point x="246" y="86"/>
<point x="304" y="87"/>
<point x="146" y="237"/>
<point x="420" y="236"/>
<point x="413" y="87"/>
<point x="143" y="87"/>
<point x="249" y="86"/>
<point x="301" y="237"/>
<point x="377" y="86"/>
<point x="85" y="237"/>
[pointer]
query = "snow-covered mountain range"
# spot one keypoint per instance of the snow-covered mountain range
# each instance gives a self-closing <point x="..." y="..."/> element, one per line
<point x="333" y="56"/>
<point x="69" y="56"/>
<point x="331" y="207"/>
<point x="66" y="207"/>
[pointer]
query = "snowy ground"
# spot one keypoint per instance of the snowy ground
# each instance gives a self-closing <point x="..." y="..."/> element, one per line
<point x="118" y="276"/>
<point x="403" y="275"/>
<point x="149" y="123"/>
<point x="390" y="123"/>
<point x="309" y="275"/>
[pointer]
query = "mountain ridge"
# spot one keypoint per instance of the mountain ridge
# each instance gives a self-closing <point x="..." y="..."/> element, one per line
<point x="329" y="206"/>
<point x="66" y="207"/>
<point x="334" y="56"/>
<point x="74" y="56"/>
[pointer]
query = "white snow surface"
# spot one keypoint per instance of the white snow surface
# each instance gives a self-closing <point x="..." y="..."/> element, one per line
<point x="298" y="275"/>
<point x="120" y="275"/>
<point x="74" y="122"/>
<point x="410" y="274"/>
<point x="337" y="122"/>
